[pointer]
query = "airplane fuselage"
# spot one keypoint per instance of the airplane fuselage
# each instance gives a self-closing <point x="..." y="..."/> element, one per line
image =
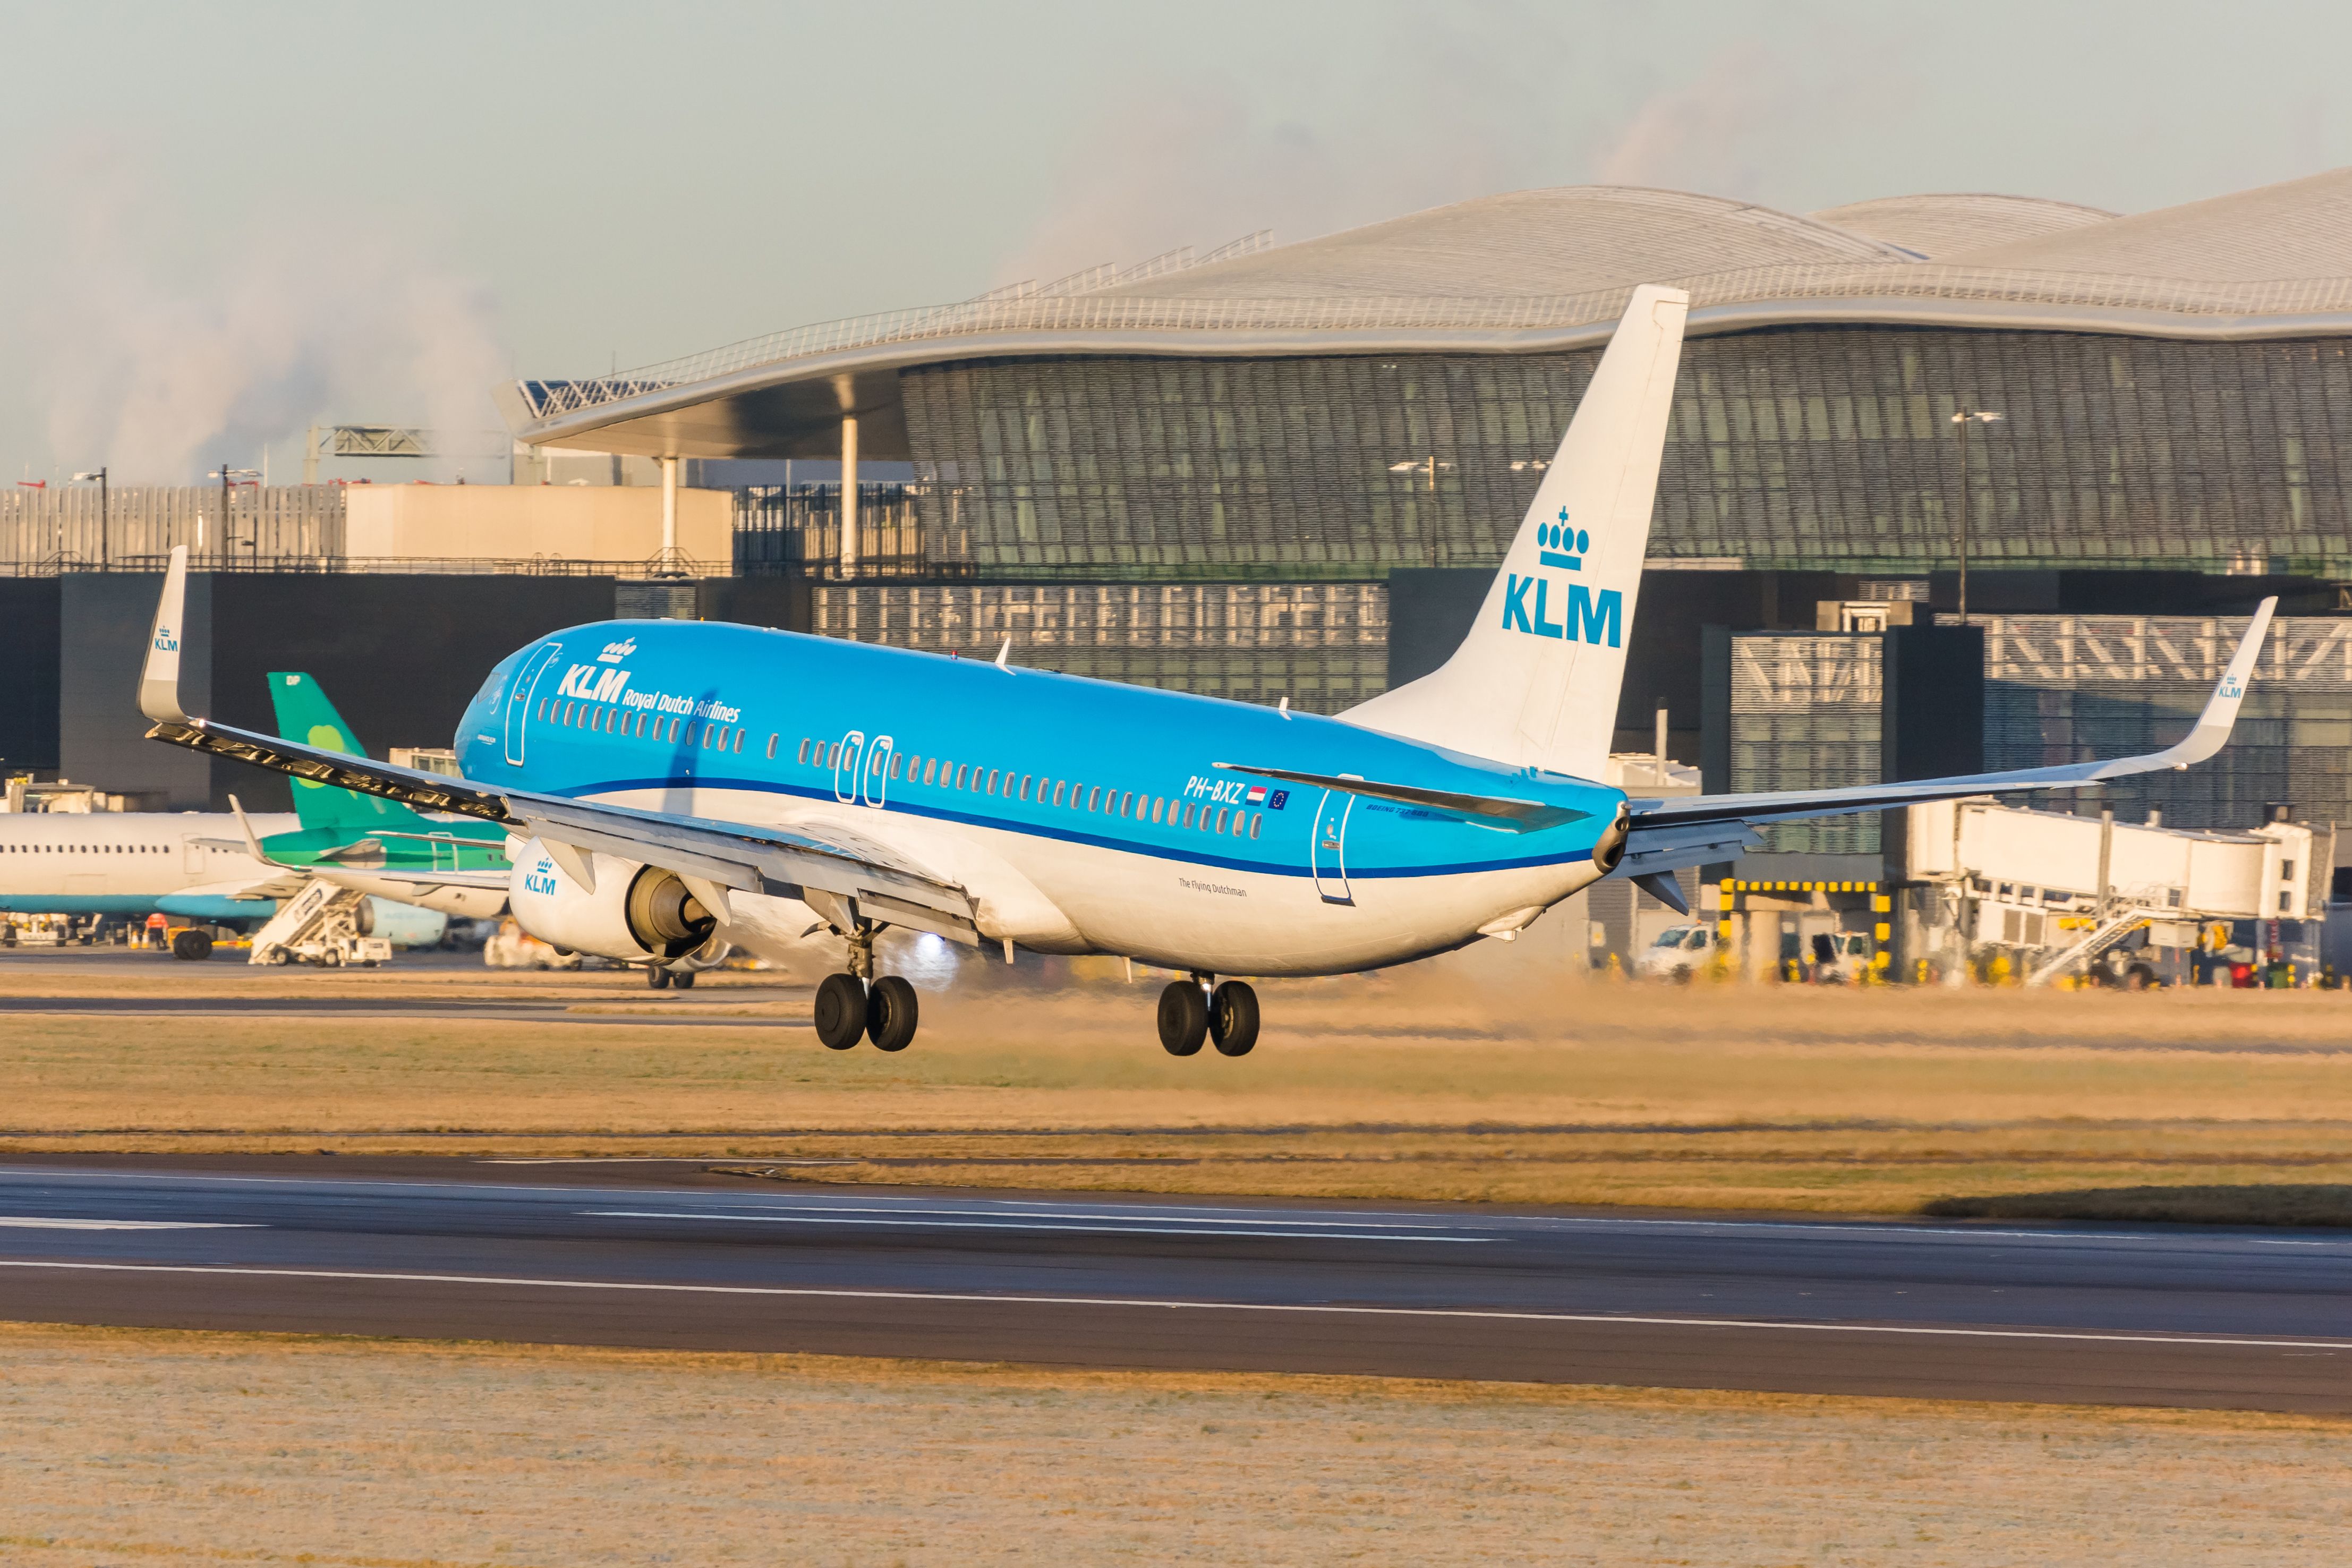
<point x="1082" y="816"/>
<point x="132" y="864"/>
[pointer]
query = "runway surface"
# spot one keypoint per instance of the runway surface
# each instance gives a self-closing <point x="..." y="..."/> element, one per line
<point x="667" y="1254"/>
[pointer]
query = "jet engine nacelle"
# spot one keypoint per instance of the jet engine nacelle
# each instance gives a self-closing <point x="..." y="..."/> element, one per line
<point x="637" y="912"/>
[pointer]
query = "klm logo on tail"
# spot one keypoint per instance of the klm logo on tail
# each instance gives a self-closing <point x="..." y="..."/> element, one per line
<point x="1586" y="616"/>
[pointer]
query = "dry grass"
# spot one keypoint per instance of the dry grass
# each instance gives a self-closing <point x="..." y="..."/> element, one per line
<point x="1770" y="1097"/>
<point x="122" y="1447"/>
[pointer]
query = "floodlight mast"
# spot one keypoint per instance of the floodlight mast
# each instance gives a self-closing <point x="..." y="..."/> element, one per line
<point x="227" y="477"/>
<point x="104" y="559"/>
<point x="1962" y="420"/>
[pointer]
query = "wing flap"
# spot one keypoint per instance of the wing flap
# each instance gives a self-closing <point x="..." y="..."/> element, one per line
<point x="1496" y="811"/>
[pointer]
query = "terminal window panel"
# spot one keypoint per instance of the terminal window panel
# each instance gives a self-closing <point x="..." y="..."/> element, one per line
<point x="2061" y="689"/>
<point x="1322" y="645"/>
<point x="1805" y="714"/>
<point x="1793" y="448"/>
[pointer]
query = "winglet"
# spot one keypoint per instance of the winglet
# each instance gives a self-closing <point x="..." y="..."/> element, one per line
<point x="1004" y="654"/>
<point x="159" y="680"/>
<point x="252" y="841"/>
<point x="2214" y="725"/>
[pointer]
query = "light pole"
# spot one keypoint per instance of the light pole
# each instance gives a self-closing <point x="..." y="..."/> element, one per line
<point x="100" y="477"/>
<point x="1963" y="419"/>
<point x="227" y="477"/>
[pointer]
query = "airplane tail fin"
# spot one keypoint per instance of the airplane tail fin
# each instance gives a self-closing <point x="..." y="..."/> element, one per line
<point x="305" y="714"/>
<point x="1535" y="684"/>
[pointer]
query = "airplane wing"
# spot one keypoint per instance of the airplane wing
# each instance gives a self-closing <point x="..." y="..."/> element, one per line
<point x="786" y="862"/>
<point x="278" y="884"/>
<point x="1506" y="812"/>
<point x="1698" y="830"/>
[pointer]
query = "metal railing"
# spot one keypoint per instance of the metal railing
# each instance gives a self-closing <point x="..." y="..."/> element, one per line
<point x="1087" y="312"/>
<point x="656" y="566"/>
<point x="45" y="531"/>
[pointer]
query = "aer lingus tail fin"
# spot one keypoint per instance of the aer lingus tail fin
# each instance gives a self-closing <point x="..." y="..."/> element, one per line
<point x="304" y="714"/>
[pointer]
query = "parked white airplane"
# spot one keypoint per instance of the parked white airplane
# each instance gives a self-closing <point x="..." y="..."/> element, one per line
<point x="188" y="866"/>
<point x="191" y="864"/>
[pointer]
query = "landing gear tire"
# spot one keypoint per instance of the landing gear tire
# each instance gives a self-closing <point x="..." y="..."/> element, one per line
<point x="657" y="977"/>
<point x="840" y="1012"/>
<point x="1183" y="1018"/>
<point x="1232" y="1018"/>
<point x="682" y="979"/>
<point x="891" y="1014"/>
<point x="192" y="946"/>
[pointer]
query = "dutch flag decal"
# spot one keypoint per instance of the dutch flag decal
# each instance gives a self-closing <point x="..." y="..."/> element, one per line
<point x="1257" y="795"/>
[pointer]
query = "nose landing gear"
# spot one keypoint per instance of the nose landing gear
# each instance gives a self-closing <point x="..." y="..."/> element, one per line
<point x="1190" y="1014"/>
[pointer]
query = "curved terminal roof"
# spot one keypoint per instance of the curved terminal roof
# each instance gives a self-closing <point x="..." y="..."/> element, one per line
<point x="2301" y="229"/>
<point x="1931" y="228"/>
<point x="1526" y="272"/>
<point x="1564" y="241"/>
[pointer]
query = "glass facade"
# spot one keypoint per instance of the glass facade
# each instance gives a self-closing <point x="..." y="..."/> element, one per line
<point x="1804" y="714"/>
<point x="1800" y="448"/>
<point x="2064" y="689"/>
<point x="1322" y="645"/>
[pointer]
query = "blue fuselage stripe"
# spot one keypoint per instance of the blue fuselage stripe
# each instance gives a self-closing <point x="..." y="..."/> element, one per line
<point x="679" y="678"/>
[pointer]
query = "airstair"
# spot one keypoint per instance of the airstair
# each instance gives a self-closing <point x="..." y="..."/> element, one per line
<point x="323" y="924"/>
<point x="2118" y="925"/>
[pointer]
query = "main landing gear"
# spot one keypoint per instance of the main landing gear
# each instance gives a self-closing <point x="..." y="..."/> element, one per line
<point x="857" y="1004"/>
<point x="661" y="977"/>
<point x="1190" y="1013"/>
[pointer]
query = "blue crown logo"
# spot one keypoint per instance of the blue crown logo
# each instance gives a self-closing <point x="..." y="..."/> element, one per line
<point x="1554" y="541"/>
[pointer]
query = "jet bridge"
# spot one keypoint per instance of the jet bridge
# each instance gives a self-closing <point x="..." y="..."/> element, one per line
<point x="2059" y="892"/>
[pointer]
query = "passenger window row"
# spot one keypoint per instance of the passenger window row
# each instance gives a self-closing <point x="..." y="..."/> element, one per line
<point x="941" y="773"/>
<point x="84" y="849"/>
<point x="1063" y="794"/>
<point x="606" y="720"/>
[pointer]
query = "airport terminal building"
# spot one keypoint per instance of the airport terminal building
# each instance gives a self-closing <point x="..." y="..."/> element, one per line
<point x="1288" y="470"/>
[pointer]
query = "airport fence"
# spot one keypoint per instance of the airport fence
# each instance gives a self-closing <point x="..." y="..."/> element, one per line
<point x="80" y="528"/>
<point x="45" y="532"/>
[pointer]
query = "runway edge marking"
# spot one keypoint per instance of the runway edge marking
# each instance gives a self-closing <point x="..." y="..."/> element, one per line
<point x="1008" y="1299"/>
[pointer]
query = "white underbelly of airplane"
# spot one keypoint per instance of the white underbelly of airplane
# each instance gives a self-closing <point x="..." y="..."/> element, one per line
<point x="1054" y="895"/>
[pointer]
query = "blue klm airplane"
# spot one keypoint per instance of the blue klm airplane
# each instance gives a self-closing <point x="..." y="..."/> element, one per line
<point x="675" y="785"/>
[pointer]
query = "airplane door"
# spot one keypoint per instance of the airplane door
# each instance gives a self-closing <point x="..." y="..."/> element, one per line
<point x="1328" y="856"/>
<point x="844" y="769"/>
<point x="878" y="770"/>
<point x="522" y="692"/>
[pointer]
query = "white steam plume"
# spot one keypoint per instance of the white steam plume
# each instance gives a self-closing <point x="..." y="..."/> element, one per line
<point x="1199" y="163"/>
<point x="159" y="366"/>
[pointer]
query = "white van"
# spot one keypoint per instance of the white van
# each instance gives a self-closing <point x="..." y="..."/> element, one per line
<point x="1679" y="952"/>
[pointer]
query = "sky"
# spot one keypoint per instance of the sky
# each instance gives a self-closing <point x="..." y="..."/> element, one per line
<point x="230" y="221"/>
